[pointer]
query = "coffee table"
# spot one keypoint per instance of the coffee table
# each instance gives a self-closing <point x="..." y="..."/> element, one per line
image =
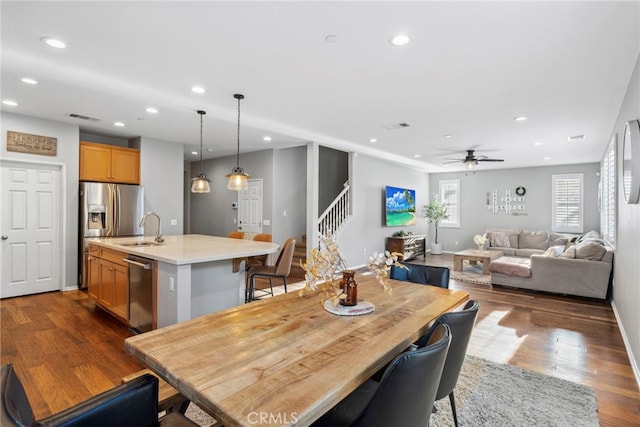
<point x="474" y="256"/>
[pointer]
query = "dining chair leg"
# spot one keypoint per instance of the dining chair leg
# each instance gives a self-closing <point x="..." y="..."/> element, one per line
<point x="453" y="409"/>
<point x="284" y="279"/>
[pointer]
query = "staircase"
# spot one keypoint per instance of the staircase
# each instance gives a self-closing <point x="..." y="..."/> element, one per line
<point x="299" y="256"/>
<point x="330" y="223"/>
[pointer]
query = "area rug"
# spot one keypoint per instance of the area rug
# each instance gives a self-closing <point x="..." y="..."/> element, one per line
<point x="496" y="395"/>
<point x="471" y="274"/>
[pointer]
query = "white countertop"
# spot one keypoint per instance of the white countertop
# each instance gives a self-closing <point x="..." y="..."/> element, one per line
<point x="188" y="248"/>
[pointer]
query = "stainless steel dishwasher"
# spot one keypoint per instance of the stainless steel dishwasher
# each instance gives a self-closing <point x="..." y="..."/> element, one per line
<point x="140" y="293"/>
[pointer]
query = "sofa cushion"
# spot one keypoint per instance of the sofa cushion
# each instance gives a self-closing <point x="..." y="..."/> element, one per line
<point x="593" y="251"/>
<point x="511" y="266"/>
<point x="499" y="239"/>
<point x="533" y="240"/>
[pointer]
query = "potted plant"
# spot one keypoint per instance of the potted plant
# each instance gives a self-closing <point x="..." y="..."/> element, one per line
<point x="435" y="212"/>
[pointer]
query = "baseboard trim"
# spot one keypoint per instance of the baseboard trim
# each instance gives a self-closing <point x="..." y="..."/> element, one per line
<point x="625" y="339"/>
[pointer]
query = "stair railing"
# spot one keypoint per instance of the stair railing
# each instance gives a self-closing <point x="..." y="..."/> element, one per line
<point x="337" y="214"/>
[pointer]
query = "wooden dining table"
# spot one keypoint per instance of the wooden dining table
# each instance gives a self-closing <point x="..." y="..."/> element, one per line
<point x="286" y="360"/>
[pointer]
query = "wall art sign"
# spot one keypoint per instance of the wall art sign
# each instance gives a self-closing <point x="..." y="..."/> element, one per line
<point x="32" y="144"/>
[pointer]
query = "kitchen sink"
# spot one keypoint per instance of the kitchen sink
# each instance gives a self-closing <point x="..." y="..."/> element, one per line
<point x="144" y="243"/>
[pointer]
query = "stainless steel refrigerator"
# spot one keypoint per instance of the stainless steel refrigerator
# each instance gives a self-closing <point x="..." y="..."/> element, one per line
<point x="107" y="210"/>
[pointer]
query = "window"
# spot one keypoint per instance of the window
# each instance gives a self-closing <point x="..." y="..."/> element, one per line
<point x="567" y="203"/>
<point x="450" y="196"/>
<point x="608" y="193"/>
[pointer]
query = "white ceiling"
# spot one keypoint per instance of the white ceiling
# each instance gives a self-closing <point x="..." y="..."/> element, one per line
<point x="470" y="68"/>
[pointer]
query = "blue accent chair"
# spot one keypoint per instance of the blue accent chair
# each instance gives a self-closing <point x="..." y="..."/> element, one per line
<point x="424" y="274"/>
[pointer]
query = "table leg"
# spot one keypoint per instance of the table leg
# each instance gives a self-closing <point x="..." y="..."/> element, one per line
<point x="485" y="267"/>
<point x="457" y="263"/>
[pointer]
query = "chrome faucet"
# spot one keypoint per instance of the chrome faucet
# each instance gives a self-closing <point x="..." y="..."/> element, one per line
<point x="159" y="238"/>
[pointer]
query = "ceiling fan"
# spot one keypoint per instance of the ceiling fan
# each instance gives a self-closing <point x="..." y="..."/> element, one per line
<point x="471" y="160"/>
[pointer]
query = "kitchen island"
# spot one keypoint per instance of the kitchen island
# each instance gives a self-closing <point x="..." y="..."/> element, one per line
<point x="193" y="273"/>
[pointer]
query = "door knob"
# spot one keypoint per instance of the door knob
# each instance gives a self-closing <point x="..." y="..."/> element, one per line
<point x="5" y="237"/>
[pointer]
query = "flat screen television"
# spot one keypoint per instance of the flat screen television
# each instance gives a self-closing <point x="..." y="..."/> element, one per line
<point x="400" y="207"/>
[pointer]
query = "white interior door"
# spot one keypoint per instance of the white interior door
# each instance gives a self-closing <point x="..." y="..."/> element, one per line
<point x="30" y="228"/>
<point x="250" y="209"/>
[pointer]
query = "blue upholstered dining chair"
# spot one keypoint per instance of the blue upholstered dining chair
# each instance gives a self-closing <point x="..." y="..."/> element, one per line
<point x="424" y="274"/>
<point x="403" y="397"/>
<point x="461" y="324"/>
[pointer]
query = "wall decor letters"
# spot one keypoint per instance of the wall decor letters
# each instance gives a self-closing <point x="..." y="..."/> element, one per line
<point x="31" y="144"/>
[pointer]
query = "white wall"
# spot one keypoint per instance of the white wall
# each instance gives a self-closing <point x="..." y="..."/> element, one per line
<point x="161" y="173"/>
<point x="626" y="265"/>
<point x="475" y="217"/>
<point x="212" y="213"/>
<point x="366" y="233"/>
<point x="290" y="192"/>
<point x="67" y="154"/>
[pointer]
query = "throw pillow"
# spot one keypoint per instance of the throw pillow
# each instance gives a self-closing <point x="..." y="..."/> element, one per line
<point x="499" y="239"/>
<point x="534" y="240"/>
<point x="570" y="252"/>
<point x="557" y="239"/>
<point x="554" y="251"/>
<point x="590" y="250"/>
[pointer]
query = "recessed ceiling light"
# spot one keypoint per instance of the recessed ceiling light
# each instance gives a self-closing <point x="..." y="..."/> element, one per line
<point x="151" y="110"/>
<point x="198" y="89"/>
<point x="399" y="40"/>
<point x="29" y="81"/>
<point x="118" y="124"/>
<point x="266" y="139"/>
<point x="10" y="102"/>
<point x="537" y="143"/>
<point x="209" y="150"/>
<point x="576" y="138"/>
<point x="447" y="136"/>
<point x="520" y="118"/>
<point x="416" y="156"/>
<point x="373" y="140"/>
<point x="195" y="153"/>
<point x="547" y="158"/>
<point x="58" y="44"/>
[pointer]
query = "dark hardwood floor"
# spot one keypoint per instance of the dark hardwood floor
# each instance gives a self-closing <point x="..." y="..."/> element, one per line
<point x="66" y="350"/>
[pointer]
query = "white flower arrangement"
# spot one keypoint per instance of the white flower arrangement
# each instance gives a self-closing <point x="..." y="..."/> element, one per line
<point x="480" y="240"/>
<point x="380" y="264"/>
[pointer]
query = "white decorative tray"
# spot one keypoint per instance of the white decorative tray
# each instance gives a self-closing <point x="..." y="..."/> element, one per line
<point x="362" y="307"/>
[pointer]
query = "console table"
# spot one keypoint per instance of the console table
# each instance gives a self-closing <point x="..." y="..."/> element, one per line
<point x="409" y="246"/>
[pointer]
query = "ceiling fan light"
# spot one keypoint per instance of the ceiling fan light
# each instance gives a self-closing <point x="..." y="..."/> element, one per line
<point x="470" y="165"/>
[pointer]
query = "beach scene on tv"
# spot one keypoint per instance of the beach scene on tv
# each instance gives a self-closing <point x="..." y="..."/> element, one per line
<point x="400" y="208"/>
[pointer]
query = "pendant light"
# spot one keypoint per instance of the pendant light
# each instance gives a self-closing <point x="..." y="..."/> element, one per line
<point x="238" y="178"/>
<point x="200" y="184"/>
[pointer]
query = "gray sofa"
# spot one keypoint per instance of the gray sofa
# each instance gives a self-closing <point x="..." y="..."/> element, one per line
<point x="524" y="243"/>
<point x="582" y="269"/>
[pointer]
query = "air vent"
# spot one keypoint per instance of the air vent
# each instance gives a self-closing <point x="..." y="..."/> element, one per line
<point x="396" y="126"/>
<point x="576" y="138"/>
<point x="81" y="117"/>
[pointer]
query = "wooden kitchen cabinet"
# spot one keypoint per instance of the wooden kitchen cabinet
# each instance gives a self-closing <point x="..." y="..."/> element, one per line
<point x="109" y="287"/>
<point x="107" y="163"/>
<point x="93" y="273"/>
